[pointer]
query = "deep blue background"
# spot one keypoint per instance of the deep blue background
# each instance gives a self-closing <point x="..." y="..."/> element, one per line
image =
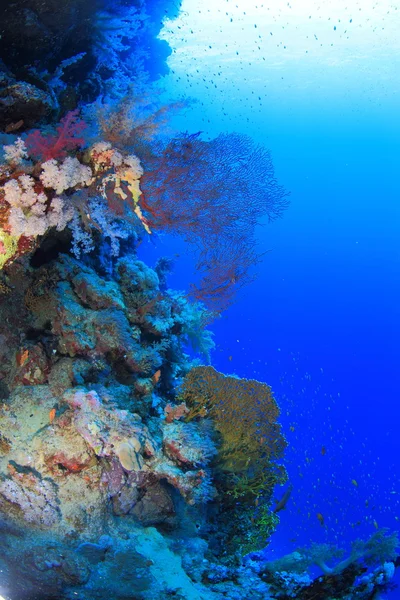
<point x="321" y="323"/>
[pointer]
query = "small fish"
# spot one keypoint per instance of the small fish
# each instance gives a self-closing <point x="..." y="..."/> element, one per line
<point x="52" y="415"/>
<point x="376" y="525"/>
<point x="14" y="126"/>
<point x="323" y="451"/>
<point x="354" y="482"/>
<point x="156" y="376"/>
<point x="321" y="519"/>
<point x="281" y="504"/>
<point x="11" y="469"/>
<point x="22" y="357"/>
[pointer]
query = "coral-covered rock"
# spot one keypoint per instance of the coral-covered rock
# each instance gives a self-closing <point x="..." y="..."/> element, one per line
<point x="96" y="292"/>
<point x="64" y="450"/>
<point x="109" y="432"/>
<point x="87" y="443"/>
<point x="175" y="412"/>
<point x="32" y="365"/>
<point x="146" y="306"/>
<point x="155" y="507"/>
<point x="22" y="101"/>
<point x="186" y="446"/>
<point x="125" y="500"/>
<point x="24" y="496"/>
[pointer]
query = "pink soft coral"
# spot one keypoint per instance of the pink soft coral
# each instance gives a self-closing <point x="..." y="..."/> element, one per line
<point x="67" y="137"/>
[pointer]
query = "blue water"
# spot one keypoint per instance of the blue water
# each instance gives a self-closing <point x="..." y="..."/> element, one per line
<point x="321" y="323"/>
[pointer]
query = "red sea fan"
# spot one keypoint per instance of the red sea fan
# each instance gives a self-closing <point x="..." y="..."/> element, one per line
<point x="57" y="145"/>
<point x="225" y="266"/>
<point x="214" y="195"/>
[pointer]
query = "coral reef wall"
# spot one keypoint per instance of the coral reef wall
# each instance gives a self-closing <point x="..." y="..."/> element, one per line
<point x="98" y="472"/>
<point x="129" y="469"/>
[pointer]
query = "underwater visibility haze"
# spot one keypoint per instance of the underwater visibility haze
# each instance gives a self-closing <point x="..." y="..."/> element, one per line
<point x="199" y="283"/>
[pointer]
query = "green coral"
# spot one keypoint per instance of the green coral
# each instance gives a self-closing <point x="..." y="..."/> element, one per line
<point x="262" y="526"/>
<point x="258" y="485"/>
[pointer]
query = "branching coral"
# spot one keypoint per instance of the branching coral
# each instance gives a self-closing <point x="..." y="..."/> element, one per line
<point x="352" y="577"/>
<point x="212" y="194"/>
<point x="193" y="319"/>
<point x="135" y="120"/>
<point x="381" y="546"/>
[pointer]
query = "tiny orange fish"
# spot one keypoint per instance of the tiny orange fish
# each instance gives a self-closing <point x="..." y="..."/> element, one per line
<point x="321" y="519"/>
<point x="22" y="357"/>
<point x="52" y="414"/>
<point x="229" y="357"/>
<point x="323" y="450"/>
<point x="156" y="376"/>
<point x="12" y="470"/>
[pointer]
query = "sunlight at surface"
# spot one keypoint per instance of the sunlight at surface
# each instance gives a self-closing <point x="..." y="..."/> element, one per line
<point x="302" y="48"/>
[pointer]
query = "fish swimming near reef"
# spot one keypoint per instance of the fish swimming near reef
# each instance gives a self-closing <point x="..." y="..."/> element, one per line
<point x="281" y="504"/>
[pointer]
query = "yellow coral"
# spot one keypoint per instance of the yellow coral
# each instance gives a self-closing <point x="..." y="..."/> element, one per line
<point x="8" y="246"/>
<point x="124" y="178"/>
<point x="4" y="289"/>
<point x="244" y="413"/>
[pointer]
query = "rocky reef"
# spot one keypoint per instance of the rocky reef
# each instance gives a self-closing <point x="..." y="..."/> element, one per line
<point x="102" y="469"/>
